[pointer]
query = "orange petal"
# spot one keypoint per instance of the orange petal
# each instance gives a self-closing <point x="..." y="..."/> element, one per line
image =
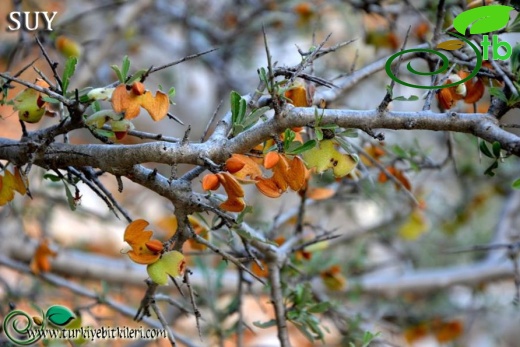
<point x="156" y="106"/>
<point x="448" y="331"/>
<point x="233" y="205"/>
<point x="474" y="91"/>
<point x="120" y="98"/>
<point x="251" y="169"/>
<point x="316" y="193"/>
<point x="20" y="182"/>
<point x="155" y="246"/>
<point x="235" y="164"/>
<point x="257" y="270"/>
<point x="296" y="174"/>
<point x="40" y="261"/>
<point x="138" y="88"/>
<point x="7" y="183"/>
<point x="210" y="182"/>
<point x="231" y="185"/>
<point x="268" y="187"/>
<point x="144" y="258"/>
<point x="135" y="234"/>
<point x="271" y="159"/>
<point x="445" y="98"/>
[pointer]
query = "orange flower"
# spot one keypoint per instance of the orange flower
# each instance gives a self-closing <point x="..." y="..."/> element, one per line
<point x="40" y="261"/>
<point x="234" y="191"/>
<point x="145" y="250"/>
<point x="285" y="174"/>
<point x="130" y="102"/>
<point x="398" y="174"/>
<point x="301" y="94"/>
<point x="333" y="279"/>
<point x="373" y="151"/>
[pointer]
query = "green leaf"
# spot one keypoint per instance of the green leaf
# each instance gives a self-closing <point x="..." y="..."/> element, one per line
<point x="483" y="19"/>
<point x="125" y="67"/>
<point x="318" y="133"/>
<point x="70" y="198"/>
<point x="96" y="106"/>
<point x="496" y="149"/>
<point x="515" y="59"/>
<point x="403" y="98"/>
<point x="498" y="93"/>
<point x="235" y="106"/>
<point x="516" y="184"/>
<point x="349" y="133"/>
<point x="59" y="315"/>
<point x="50" y="100"/>
<point x="137" y="75"/>
<point x="52" y="177"/>
<point x="320" y="307"/>
<point x="489" y="170"/>
<point x="118" y="73"/>
<point x="255" y="116"/>
<point x="485" y="150"/>
<point x="305" y="147"/>
<point x="68" y="72"/>
<point x="241" y="215"/>
<point x="265" y="325"/>
<point x="514" y="27"/>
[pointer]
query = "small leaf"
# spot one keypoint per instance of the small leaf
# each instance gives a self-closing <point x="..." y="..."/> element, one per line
<point x="50" y="100"/>
<point x="451" y="45"/>
<point x="489" y="170"/>
<point x="51" y="177"/>
<point x="483" y="19"/>
<point x="320" y="307"/>
<point x="485" y="150"/>
<point x="235" y="106"/>
<point x="498" y="93"/>
<point x="255" y="116"/>
<point x="305" y="147"/>
<point x="70" y="198"/>
<point x="118" y="73"/>
<point x="404" y="98"/>
<point x="68" y="72"/>
<point x="125" y="67"/>
<point x="59" y="315"/>
<point x="137" y="75"/>
<point x="265" y="325"/>
<point x="496" y="149"/>
<point x="516" y="184"/>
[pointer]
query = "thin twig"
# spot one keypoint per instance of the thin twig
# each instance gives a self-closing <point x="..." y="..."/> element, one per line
<point x="163" y="322"/>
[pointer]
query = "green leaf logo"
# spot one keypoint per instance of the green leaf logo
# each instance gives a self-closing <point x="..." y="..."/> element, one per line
<point x="59" y="315"/>
<point x="483" y="19"/>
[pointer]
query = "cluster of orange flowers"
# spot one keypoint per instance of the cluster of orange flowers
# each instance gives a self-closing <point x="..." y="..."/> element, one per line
<point x="286" y="173"/>
<point x="9" y="183"/>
